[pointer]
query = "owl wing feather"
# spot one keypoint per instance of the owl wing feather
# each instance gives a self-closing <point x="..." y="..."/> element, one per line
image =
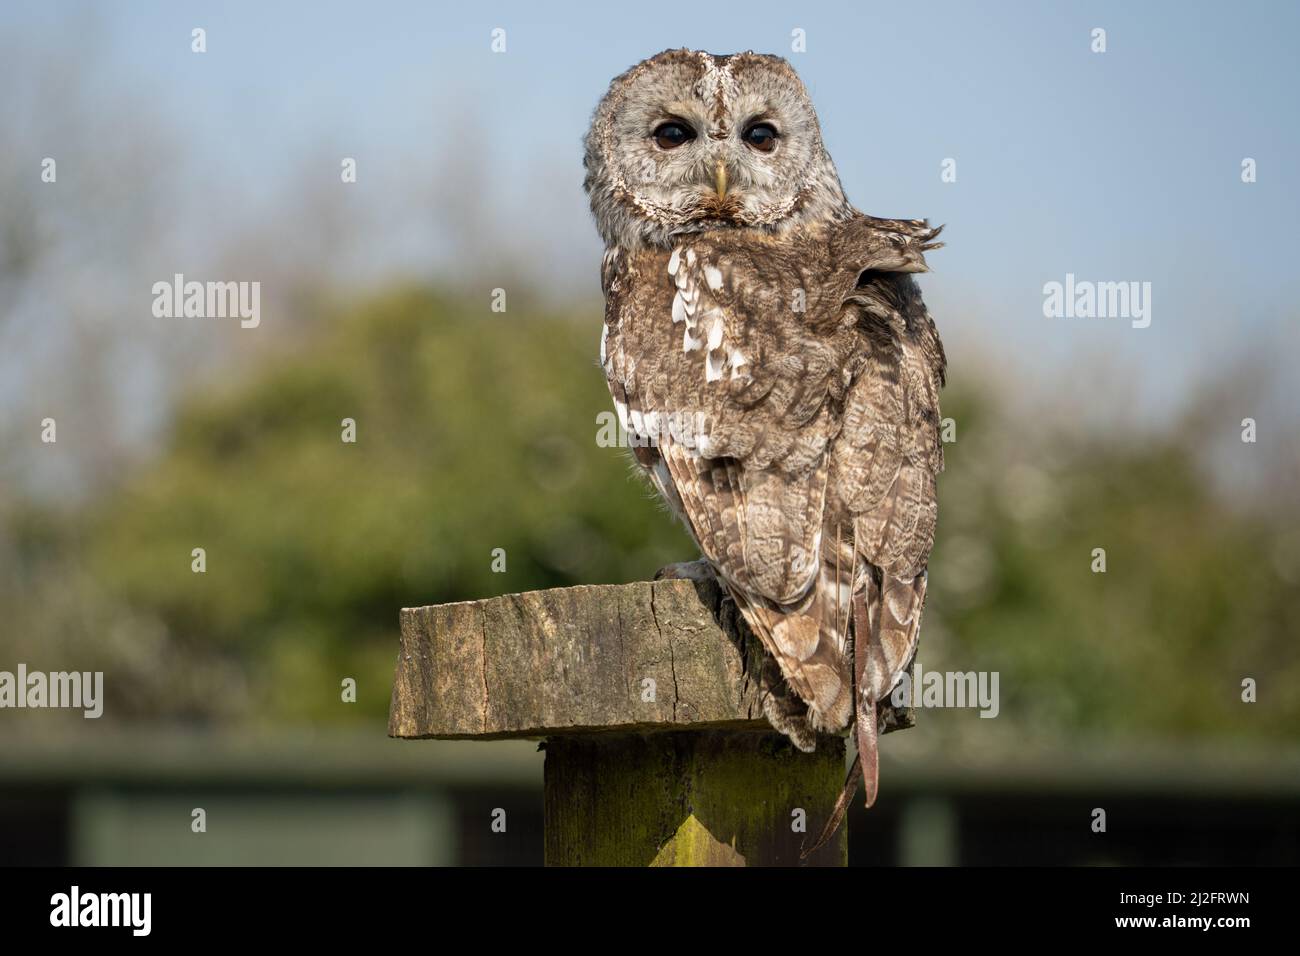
<point x="888" y="457"/>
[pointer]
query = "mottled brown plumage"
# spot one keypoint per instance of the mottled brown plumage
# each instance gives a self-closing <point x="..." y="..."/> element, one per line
<point x="780" y="374"/>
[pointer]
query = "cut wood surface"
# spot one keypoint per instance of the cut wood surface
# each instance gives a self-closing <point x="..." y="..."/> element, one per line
<point x="661" y="655"/>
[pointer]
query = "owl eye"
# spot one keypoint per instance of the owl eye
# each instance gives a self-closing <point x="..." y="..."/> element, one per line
<point x="761" y="136"/>
<point x="671" y="135"/>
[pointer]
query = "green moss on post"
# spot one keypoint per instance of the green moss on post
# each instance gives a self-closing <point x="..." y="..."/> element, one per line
<point x="693" y="798"/>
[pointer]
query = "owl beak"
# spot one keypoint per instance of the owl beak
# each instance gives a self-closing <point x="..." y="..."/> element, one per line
<point x="720" y="178"/>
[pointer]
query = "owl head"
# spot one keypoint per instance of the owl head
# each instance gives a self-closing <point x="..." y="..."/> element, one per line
<point x="688" y="141"/>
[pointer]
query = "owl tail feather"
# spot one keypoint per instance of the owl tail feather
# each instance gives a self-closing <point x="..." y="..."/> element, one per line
<point x="866" y="765"/>
<point x="868" y="689"/>
<point x="837" y="812"/>
<point x="867" y="771"/>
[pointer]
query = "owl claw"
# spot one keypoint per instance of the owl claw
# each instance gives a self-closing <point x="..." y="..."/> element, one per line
<point x="686" y="571"/>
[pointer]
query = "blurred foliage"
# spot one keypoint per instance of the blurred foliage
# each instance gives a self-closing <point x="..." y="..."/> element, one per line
<point x="472" y="434"/>
<point x="1198" y="593"/>
<point x="477" y="431"/>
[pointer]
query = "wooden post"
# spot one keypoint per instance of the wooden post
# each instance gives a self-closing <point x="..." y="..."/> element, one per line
<point x="693" y="798"/>
<point x="647" y="695"/>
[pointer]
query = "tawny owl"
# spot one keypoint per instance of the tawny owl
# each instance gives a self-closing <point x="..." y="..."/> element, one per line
<point x="769" y="352"/>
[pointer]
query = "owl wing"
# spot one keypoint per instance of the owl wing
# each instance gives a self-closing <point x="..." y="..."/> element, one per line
<point x="884" y="465"/>
<point x="729" y="360"/>
<point x="888" y="455"/>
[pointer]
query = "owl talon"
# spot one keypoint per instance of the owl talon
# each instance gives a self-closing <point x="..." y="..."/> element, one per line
<point x="686" y="571"/>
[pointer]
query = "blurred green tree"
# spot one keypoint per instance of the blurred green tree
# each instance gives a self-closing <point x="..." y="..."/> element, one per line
<point x="474" y="432"/>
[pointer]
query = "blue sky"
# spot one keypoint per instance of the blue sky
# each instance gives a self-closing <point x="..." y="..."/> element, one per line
<point x="1116" y="166"/>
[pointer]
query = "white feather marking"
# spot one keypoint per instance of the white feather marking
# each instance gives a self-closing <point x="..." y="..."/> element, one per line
<point x="713" y="363"/>
<point x="674" y="261"/>
<point x="690" y="344"/>
<point x="736" y="360"/>
<point x="713" y="276"/>
<point x="715" y="332"/>
<point x="690" y="258"/>
<point x="679" y="308"/>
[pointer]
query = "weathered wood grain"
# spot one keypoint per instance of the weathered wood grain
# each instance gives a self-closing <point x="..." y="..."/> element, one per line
<point x="662" y="655"/>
